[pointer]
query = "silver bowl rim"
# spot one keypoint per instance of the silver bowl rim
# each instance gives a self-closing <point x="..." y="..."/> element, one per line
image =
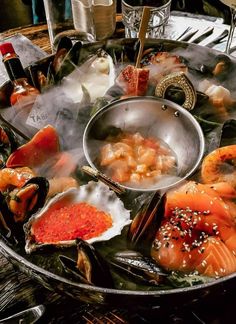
<point x="169" y="103"/>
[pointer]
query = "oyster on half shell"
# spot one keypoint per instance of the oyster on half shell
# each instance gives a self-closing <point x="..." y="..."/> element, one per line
<point x="95" y="194"/>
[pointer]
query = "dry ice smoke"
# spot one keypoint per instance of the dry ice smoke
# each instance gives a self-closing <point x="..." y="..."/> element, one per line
<point x="68" y="106"/>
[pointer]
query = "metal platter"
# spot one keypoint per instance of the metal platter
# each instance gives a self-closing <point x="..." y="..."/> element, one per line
<point x="41" y="265"/>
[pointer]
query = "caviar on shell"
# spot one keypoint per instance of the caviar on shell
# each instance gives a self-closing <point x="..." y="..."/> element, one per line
<point x="79" y="220"/>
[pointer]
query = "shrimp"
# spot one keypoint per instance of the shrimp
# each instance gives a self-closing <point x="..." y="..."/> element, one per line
<point x="14" y="177"/>
<point x="219" y="166"/>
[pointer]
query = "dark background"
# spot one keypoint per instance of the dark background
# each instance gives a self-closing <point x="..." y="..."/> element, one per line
<point x="32" y="11"/>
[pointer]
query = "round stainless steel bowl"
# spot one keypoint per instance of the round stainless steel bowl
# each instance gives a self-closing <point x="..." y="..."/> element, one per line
<point x="152" y="117"/>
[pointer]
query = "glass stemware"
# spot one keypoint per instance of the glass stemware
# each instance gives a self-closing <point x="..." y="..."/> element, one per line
<point x="231" y="31"/>
<point x="232" y="5"/>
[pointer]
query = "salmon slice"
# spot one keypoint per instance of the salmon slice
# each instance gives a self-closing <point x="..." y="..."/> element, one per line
<point x="211" y="258"/>
<point x="216" y="260"/>
<point x="197" y="197"/>
<point x="197" y="233"/>
<point x="170" y="250"/>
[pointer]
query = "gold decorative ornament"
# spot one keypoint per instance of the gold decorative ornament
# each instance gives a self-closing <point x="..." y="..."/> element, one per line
<point x="180" y="80"/>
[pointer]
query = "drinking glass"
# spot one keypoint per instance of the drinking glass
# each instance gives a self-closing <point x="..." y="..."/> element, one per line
<point x="59" y="18"/>
<point x="132" y="13"/>
<point x="96" y="17"/>
<point x="232" y="5"/>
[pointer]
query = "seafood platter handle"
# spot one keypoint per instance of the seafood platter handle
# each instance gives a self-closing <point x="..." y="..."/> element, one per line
<point x="180" y="80"/>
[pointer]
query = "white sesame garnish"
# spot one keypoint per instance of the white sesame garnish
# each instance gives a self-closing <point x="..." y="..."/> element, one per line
<point x="204" y="263"/>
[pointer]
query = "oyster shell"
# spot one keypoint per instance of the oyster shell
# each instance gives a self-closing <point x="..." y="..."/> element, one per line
<point x="94" y="193"/>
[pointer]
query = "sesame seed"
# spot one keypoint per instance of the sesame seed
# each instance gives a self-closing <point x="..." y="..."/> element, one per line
<point x="204" y="263"/>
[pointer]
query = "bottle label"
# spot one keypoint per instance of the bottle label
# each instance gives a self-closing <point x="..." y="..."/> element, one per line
<point x="14" y="69"/>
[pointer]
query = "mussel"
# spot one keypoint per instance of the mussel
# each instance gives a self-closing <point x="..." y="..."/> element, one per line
<point x="146" y="222"/>
<point x="138" y="267"/>
<point x="17" y="205"/>
<point x="90" y="267"/>
<point x="228" y="133"/>
<point x="63" y="63"/>
<point x="6" y="222"/>
<point x="23" y="202"/>
<point x="137" y="263"/>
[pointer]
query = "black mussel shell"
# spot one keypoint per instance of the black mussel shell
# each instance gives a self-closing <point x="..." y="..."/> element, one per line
<point x="144" y="226"/>
<point x="8" y="143"/>
<point x="69" y="266"/>
<point x="8" y="227"/>
<point x="64" y="42"/>
<point x="43" y="189"/>
<point x="219" y="67"/>
<point x="228" y="133"/>
<point x="25" y="201"/>
<point x="5" y="227"/>
<point x="88" y="50"/>
<point x="63" y="48"/>
<point x="68" y="61"/>
<point x="218" y="135"/>
<point x="64" y="61"/>
<point x="90" y="268"/>
<point x="138" y="267"/>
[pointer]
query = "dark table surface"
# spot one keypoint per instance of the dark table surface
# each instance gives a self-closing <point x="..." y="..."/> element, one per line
<point x="18" y="292"/>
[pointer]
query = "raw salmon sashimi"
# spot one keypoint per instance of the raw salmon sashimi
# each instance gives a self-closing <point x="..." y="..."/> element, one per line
<point x="198" y="232"/>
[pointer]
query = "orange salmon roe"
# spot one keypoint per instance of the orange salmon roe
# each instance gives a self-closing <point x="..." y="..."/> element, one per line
<point x="79" y="220"/>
